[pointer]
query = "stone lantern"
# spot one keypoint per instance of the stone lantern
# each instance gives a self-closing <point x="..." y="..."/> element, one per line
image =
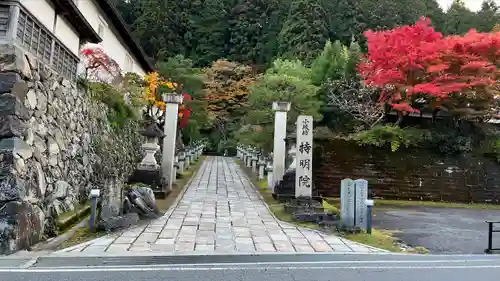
<point x="148" y="170"/>
<point x="254" y="160"/>
<point x="291" y="145"/>
<point x="269" y="171"/>
<point x="152" y="133"/>
<point x="261" y="166"/>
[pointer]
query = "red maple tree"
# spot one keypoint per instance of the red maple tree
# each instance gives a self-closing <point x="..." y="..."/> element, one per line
<point x="98" y="64"/>
<point x="411" y="63"/>
<point x="185" y="111"/>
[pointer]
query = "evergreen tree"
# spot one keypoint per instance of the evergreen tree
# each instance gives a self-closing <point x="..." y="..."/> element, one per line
<point x="387" y="14"/>
<point x="128" y="10"/>
<point x="330" y="64"/>
<point x="190" y="79"/>
<point x="304" y="32"/>
<point x="345" y="19"/>
<point x="209" y="28"/>
<point x="382" y="14"/>
<point x="147" y="28"/>
<point x="459" y="19"/>
<point x="435" y="13"/>
<point x="286" y="81"/>
<point x="248" y="23"/>
<point x="487" y="17"/>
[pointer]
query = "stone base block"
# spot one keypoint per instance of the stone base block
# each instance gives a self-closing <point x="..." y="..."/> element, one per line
<point x="149" y="177"/>
<point x="161" y="194"/>
<point x="119" y="222"/>
<point x="21" y="226"/>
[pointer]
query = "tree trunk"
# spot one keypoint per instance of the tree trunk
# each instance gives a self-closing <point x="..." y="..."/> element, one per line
<point x="434" y="115"/>
<point x="400" y="119"/>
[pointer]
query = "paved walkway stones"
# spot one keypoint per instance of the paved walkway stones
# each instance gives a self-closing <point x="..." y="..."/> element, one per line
<point x="220" y="212"/>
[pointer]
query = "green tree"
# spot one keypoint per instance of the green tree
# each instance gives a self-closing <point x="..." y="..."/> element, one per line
<point x="284" y="81"/>
<point x="345" y="19"/>
<point x="435" y="13"/>
<point x="190" y="79"/>
<point x="209" y="24"/>
<point x="146" y="27"/>
<point x="487" y="17"/>
<point x="459" y="19"/>
<point x="128" y="10"/>
<point x="162" y="26"/>
<point x="304" y="32"/>
<point x="336" y="62"/>
<point x="248" y="24"/>
<point x="382" y="14"/>
<point x="387" y="14"/>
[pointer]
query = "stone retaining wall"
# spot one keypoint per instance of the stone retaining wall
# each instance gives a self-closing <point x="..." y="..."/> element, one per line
<point x="47" y="125"/>
<point x="406" y="174"/>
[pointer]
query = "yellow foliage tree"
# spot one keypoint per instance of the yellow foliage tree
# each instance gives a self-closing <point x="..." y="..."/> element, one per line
<point x="496" y="28"/>
<point x="152" y="94"/>
<point x="226" y="87"/>
<point x="226" y="92"/>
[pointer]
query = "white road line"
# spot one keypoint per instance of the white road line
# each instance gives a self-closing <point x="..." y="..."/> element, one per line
<point x="154" y="269"/>
<point x="290" y="262"/>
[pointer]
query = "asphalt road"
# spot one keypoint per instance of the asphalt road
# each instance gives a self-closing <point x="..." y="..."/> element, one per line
<point x="259" y="268"/>
<point x="440" y="230"/>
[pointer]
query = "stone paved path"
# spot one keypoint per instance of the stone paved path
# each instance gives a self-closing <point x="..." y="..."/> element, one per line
<point x="220" y="212"/>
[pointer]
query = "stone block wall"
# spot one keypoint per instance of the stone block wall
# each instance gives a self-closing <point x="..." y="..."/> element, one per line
<point x="47" y="161"/>
<point x="406" y="174"/>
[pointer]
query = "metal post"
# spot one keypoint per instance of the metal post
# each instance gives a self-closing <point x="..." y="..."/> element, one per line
<point x="490" y="237"/>
<point x="369" y="213"/>
<point x="94" y="196"/>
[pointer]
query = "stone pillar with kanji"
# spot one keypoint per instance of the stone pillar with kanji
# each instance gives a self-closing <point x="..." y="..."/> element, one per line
<point x="304" y="150"/>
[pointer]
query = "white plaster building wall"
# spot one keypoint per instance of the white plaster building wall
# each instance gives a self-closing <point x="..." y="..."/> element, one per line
<point x="42" y="10"/>
<point x="112" y="43"/>
<point x="68" y="36"/>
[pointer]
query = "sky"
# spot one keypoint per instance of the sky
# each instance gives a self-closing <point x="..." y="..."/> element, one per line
<point x="474" y="5"/>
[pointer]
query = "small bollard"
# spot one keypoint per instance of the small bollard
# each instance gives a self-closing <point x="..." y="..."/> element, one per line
<point x="369" y="206"/>
<point x="94" y="196"/>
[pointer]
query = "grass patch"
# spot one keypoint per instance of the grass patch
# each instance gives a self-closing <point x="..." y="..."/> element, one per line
<point x="329" y="208"/>
<point x="379" y="238"/>
<point x="178" y="186"/>
<point x="81" y="235"/>
<point x="69" y="219"/>
<point x="421" y="250"/>
<point x="279" y="210"/>
<point x="383" y="203"/>
<point x="276" y="208"/>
